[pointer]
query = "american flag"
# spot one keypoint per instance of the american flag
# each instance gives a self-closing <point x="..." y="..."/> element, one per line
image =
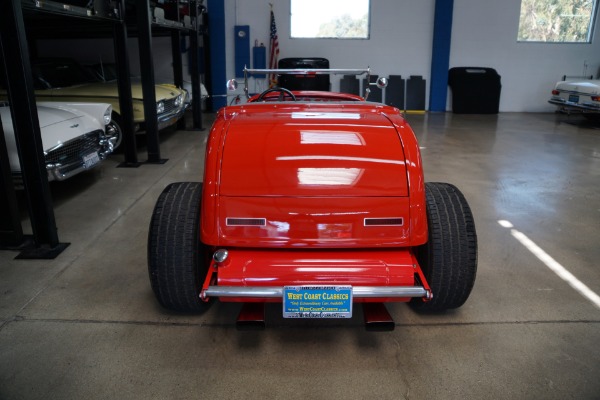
<point x="274" y="51"/>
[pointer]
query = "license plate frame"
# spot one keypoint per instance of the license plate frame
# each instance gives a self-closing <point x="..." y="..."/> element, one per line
<point x="91" y="159"/>
<point x="573" y="98"/>
<point x="317" y="301"/>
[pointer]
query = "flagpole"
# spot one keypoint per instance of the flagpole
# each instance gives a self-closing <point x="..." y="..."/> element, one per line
<point x="274" y="44"/>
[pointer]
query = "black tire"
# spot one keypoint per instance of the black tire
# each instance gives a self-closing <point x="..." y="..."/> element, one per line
<point x="592" y="117"/>
<point x="449" y="258"/>
<point x="114" y="129"/>
<point x="177" y="260"/>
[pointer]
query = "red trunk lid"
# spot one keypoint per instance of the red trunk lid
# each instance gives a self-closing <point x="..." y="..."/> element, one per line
<point x="312" y="153"/>
<point x="321" y="177"/>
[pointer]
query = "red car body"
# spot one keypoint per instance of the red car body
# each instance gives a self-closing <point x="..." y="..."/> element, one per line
<point x="315" y="190"/>
<point x="273" y="168"/>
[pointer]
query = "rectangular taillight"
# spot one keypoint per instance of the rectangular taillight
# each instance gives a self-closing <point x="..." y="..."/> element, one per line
<point x="595" y="98"/>
<point x="555" y="92"/>
<point x="246" y="221"/>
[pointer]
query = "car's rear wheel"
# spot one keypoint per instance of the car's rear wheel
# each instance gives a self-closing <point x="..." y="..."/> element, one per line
<point x="449" y="258"/>
<point x="177" y="260"/>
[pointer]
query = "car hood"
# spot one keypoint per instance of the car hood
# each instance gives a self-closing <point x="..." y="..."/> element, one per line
<point x="58" y="125"/>
<point x="52" y="116"/>
<point x="110" y="90"/>
<point x="591" y="87"/>
<point x="315" y="152"/>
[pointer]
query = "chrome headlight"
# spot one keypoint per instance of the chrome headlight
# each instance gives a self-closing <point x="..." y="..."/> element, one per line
<point x="179" y="100"/>
<point x="160" y="107"/>
<point x="106" y="118"/>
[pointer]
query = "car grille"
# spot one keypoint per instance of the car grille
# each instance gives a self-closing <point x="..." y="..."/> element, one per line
<point x="73" y="150"/>
<point x="169" y="106"/>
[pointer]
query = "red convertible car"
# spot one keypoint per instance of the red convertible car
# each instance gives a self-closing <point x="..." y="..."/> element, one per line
<point x="317" y="201"/>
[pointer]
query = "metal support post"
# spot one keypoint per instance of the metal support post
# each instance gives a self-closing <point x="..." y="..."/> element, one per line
<point x="13" y="43"/>
<point x="195" y="69"/>
<point x="148" y="88"/>
<point x="177" y="67"/>
<point x="125" y="97"/>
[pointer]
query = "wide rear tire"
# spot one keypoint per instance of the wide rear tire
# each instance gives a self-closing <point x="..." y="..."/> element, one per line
<point x="177" y="260"/>
<point x="449" y="258"/>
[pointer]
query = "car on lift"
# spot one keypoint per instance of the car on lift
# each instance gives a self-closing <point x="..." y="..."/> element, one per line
<point x="578" y="96"/>
<point x="65" y="80"/>
<point x="107" y="72"/>
<point x="74" y="137"/>
<point x="317" y="201"/>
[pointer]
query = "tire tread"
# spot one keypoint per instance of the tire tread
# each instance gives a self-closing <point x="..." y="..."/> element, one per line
<point x="449" y="258"/>
<point x="177" y="262"/>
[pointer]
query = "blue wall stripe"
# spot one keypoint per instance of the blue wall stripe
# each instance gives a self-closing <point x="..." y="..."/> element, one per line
<point x="440" y="60"/>
<point x="216" y="26"/>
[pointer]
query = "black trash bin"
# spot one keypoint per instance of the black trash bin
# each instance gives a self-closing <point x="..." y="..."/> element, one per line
<point x="475" y="90"/>
<point x="302" y="81"/>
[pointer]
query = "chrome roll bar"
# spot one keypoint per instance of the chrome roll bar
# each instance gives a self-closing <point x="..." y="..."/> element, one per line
<point x="308" y="71"/>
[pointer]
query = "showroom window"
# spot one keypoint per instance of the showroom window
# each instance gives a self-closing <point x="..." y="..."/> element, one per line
<point x="330" y="19"/>
<point x="559" y="21"/>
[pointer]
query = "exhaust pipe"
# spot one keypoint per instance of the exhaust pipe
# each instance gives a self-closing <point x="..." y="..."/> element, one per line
<point x="377" y="318"/>
<point x="251" y="317"/>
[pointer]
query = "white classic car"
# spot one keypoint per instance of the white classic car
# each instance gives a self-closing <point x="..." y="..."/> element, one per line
<point x="581" y="96"/>
<point x="74" y="137"/>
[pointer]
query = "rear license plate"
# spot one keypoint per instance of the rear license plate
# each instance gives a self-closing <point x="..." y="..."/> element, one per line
<point x="573" y="98"/>
<point x="317" y="302"/>
<point x="90" y="160"/>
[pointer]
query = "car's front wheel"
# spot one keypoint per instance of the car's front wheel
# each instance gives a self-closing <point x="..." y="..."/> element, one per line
<point x="113" y="129"/>
<point x="177" y="260"/>
<point x="449" y="258"/>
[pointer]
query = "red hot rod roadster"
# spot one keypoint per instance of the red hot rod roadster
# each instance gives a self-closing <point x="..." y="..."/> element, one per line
<point x="317" y="201"/>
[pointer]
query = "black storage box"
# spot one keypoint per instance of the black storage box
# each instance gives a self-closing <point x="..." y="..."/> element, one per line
<point x="304" y="82"/>
<point x="475" y="90"/>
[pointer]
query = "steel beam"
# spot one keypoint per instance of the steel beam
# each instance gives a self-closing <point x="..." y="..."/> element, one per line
<point x="148" y="88"/>
<point x="177" y="66"/>
<point x="125" y="98"/>
<point x="27" y="132"/>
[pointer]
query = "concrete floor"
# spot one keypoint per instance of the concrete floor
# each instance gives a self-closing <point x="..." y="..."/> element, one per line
<point x="86" y="325"/>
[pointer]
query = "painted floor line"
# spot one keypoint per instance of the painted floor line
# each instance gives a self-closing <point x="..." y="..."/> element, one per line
<point x="551" y="263"/>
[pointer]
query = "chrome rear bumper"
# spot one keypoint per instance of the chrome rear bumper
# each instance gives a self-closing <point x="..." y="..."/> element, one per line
<point x="563" y="104"/>
<point x="277" y="292"/>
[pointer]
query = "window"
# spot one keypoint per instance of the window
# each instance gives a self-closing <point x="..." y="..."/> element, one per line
<point x="561" y="21"/>
<point x="338" y="19"/>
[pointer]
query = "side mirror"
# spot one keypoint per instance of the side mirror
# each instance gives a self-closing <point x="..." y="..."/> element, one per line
<point x="382" y="82"/>
<point x="232" y="85"/>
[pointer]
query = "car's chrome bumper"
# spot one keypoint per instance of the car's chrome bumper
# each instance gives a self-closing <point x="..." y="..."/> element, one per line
<point x="168" y="119"/>
<point x="171" y="117"/>
<point x="567" y="105"/>
<point x="62" y="171"/>
<point x="381" y="275"/>
<point x="266" y="292"/>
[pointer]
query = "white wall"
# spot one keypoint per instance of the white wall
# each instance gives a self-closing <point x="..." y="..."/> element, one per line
<point x="484" y="34"/>
<point x="400" y="42"/>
